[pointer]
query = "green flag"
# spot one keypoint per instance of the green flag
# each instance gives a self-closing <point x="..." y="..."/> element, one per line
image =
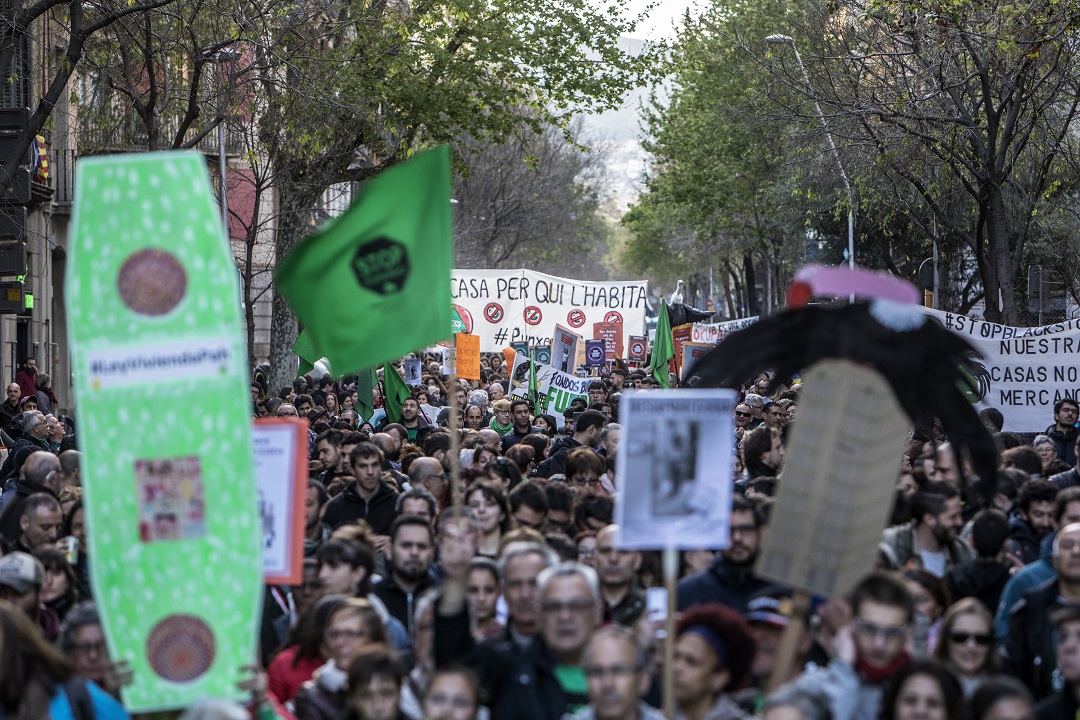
<point x="304" y="348"/>
<point x="533" y="388"/>
<point x="662" y="350"/>
<point x="397" y="392"/>
<point x="375" y="283"/>
<point x="365" y="387"/>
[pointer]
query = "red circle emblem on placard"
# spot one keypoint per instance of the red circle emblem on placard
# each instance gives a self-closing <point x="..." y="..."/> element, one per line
<point x="493" y="312"/>
<point x="533" y="316"/>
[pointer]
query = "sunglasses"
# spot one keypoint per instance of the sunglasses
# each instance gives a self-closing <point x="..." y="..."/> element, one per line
<point x="962" y="637"/>
<point x="742" y="414"/>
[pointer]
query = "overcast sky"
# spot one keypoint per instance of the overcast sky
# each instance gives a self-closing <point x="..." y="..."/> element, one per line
<point x="662" y="18"/>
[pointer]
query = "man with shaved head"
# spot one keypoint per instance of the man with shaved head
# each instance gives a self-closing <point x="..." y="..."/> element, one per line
<point x="429" y="474"/>
<point x="41" y="473"/>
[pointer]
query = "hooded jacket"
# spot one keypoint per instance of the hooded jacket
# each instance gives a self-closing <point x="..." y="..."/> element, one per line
<point x="379" y="511"/>
<point x="1023" y="542"/>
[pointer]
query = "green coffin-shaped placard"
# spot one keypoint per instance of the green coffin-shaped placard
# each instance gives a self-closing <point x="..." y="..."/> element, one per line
<point x="162" y="401"/>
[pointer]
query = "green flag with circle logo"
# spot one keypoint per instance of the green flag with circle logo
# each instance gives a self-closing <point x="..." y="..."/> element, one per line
<point x="375" y="283"/>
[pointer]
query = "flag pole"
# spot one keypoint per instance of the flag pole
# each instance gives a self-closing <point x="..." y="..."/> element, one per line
<point x="671" y="572"/>
<point x="455" y="439"/>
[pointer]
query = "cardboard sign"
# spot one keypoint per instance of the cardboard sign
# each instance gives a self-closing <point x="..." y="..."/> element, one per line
<point x="468" y="356"/>
<point x="543" y="355"/>
<point x="713" y="333"/>
<point x="679" y="335"/>
<point x="413" y="368"/>
<point x="161" y="383"/>
<point x="674" y="473"/>
<point x="839" y="480"/>
<point x="594" y="353"/>
<point x="612" y="335"/>
<point x="691" y="353"/>
<point x="281" y="477"/>
<point x="564" y="349"/>
<point x="638" y="349"/>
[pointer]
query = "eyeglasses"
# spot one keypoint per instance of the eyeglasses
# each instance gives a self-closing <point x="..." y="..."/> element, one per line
<point x="739" y="413"/>
<point x="961" y="638"/>
<point x="871" y="630"/>
<point x="576" y="607"/>
<point x="586" y="551"/>
<point x="597" y="672"/>
<point x="287" y="414"/>
<point x="443" y="476"/>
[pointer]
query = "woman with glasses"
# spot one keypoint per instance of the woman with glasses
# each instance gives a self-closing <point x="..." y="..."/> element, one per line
<point x="965" y="643"/>
<point x="586" y="548"/>
<point x="350" y="626"/>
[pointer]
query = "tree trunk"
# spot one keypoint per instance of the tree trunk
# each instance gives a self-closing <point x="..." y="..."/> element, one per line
<point x="1001" y="273"/>
<point x="751" y="286"/>
<point x="296" y="202"/>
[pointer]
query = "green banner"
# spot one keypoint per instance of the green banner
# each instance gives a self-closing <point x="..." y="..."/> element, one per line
<point x="159" y="359"/>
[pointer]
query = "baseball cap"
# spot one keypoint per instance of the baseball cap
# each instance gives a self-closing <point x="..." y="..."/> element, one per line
<point x="21" y="572"/>
<point x="772" y="605"/>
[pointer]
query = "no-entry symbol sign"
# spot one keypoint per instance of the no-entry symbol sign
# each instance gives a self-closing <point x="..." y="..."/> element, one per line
<point x="533" y="316"/>
<point x="613" y="317"/>
<point x="493" y="312"/>
<point x="576" y="318"/>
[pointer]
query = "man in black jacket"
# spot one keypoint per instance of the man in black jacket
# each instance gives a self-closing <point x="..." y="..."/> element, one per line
<point x="1064" y="432"/>
<point x="731" y="579"/>
<point x="587" y="432"/>
<point x="367" y="497"/>
<point x="412" y="550"/>
<point x="546" y="680"/>
<point x="1066" y="702"/>
<point x="1028" y="653"/>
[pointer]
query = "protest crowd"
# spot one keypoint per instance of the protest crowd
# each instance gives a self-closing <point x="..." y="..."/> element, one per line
<point x="503" y="595"/>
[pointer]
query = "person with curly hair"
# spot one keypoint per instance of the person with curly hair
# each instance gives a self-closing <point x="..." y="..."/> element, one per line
<point x="714" y="653"/>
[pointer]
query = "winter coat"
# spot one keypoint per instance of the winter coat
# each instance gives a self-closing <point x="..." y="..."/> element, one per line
<point x="520" y="684"/>
<point x="724" y="583"/>
<point x="982" y="579"/>
<point x="1028" y="653"/>
<point x="1028" y="578"/>
<point x="899" y="543"/>
<point x="1023" y="542"/>
<point x="379" y="511"/>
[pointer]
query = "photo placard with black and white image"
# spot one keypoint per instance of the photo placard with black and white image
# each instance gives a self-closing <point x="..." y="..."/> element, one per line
<point x="674" y="470"/>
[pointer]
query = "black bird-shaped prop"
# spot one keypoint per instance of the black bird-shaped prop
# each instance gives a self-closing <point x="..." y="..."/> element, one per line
<point x="923" y="362"/>
<point x="681" y="314"/>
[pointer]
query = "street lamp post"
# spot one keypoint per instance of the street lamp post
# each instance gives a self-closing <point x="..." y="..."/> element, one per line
<point x="788" y="40"/>
<point x="220" y="56"/>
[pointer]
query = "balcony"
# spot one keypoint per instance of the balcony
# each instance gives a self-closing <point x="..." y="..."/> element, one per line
<point x="130" y="136"/>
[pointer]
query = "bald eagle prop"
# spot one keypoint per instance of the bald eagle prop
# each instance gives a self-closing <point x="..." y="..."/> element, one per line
<point x="922" y="362"/>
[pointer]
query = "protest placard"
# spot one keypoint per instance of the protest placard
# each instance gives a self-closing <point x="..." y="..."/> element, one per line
<point x="674" y="469"/>
<point x="281" y="476"/>
<point x="555" y="389"/>
<point x="468" y="356"/>
<point x="612" y="335"/>
<point x="158" y="344"/>
<point x="691" y="353"/>
<point x="413" y="368"/>
<point x="595" y="356"/>
<point x="839" y="480"/>
<point x="565" y="344"/>
<point x="713" y="333"/>
<point x="638" y="348"/>
<point x="507" y="306"/>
